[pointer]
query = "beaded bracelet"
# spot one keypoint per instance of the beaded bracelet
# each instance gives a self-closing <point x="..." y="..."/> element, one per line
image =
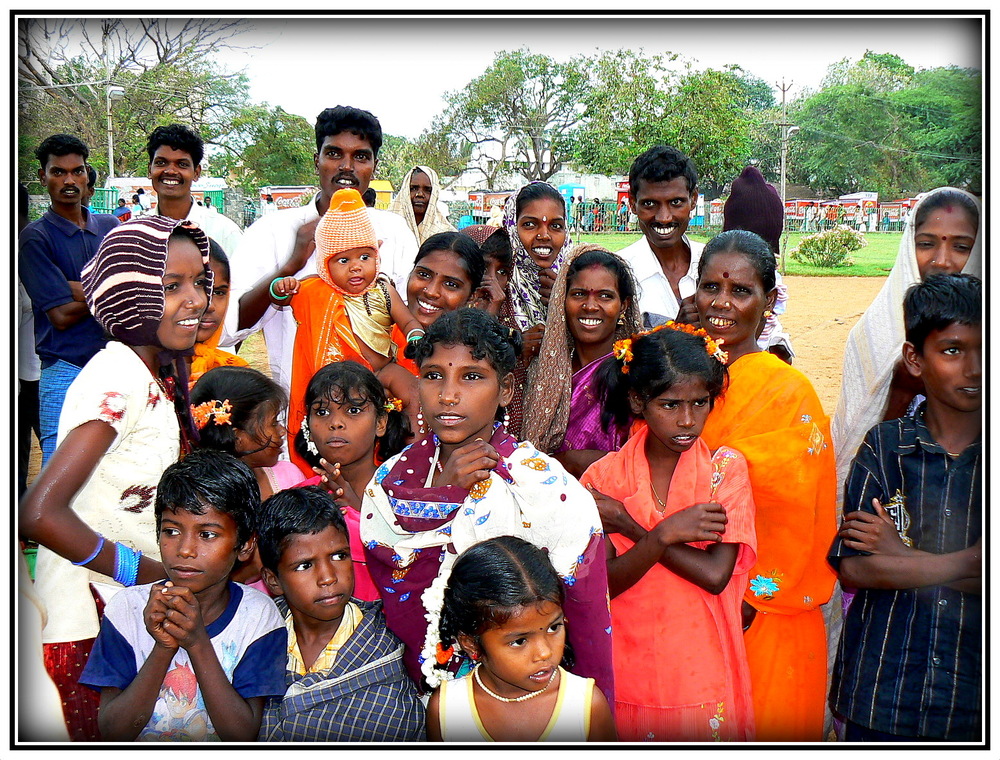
<point x="126" y="564"/>
<point x="411" y="337"/>
<point x="275" y="295"/>
<point x="100" y="545"/>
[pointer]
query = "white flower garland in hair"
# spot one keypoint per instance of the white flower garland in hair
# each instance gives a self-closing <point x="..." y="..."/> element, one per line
<point x="433" y="601"/>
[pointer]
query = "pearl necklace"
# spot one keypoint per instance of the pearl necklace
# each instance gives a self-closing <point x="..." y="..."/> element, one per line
<point x="522" y="698"/>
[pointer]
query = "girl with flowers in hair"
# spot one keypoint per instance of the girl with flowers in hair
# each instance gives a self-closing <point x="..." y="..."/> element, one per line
<point x="680" y="524"/>
<point x="771" y="414"/>
<point x="465" y="480"/>
<point x="593" y="304"/>
<point x="126" y="419"/>
<point x="347" y="311"/>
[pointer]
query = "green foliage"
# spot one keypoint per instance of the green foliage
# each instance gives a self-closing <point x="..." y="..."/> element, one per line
<point x="267" y="146"/>
<point x="829" y="248"/>
<point x="522" y="107"/>
<point x="434" y="148"/>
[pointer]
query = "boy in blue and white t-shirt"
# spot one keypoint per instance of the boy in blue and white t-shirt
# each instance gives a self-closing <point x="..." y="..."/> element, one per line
<point x="195" y="657"/>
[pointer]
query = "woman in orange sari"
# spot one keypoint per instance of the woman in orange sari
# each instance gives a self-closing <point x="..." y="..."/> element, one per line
<point x="771" y="414"/>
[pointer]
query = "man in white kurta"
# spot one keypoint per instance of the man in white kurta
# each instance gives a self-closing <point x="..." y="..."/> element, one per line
<point x="347" y="146"/>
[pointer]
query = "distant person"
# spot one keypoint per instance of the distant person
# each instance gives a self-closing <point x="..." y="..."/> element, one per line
<point x="209" y="206"/>
<point x="417" y="203"/>
<point x="91" y="187"/>
<point x="28" y="366"/>
<point x="136" y="206"/>
<point x="175" y="152"/>
<point x="143" y="199"/>
<point x="52" y="253"/>
<point x="283" y="245"/>
<point x="269" y="205"/>
<point x="123" y="212"/>
<point x="496" y="216"/>
<point x="369" y="196"/>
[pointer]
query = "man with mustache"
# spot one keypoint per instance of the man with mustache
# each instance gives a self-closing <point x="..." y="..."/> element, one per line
<point x="52" y="252"/>
<point x="282" y="244"/>
<point x="663" y="193"/>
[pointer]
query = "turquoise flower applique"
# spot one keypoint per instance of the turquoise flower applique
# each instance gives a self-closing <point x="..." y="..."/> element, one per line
<point x="763" y="586"/>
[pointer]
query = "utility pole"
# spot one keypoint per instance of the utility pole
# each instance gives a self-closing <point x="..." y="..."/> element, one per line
<point x="786" y="130"/>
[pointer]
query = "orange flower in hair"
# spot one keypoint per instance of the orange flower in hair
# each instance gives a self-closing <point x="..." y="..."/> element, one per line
<point x="623" y="352"/>
<point x="219" y="412"/>
<point x="393" y="404"/>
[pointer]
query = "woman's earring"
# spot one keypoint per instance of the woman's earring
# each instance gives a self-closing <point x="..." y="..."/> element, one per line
<point x="420" y="422"/>
<point x="310" y="446"/>
<point x="506" y="418"/>
<point x="768" y="313"/>
<point x="621" y="318"/>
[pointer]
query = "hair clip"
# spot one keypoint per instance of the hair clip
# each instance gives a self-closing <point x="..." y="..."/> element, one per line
<point x="219" y="412"/>
<point x="393" y="404"/>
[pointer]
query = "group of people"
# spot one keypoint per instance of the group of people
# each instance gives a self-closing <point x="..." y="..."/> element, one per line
<point x="495" y="488"/>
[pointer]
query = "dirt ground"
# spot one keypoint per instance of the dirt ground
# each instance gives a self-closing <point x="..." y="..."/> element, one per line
<point x="821" y="312"/>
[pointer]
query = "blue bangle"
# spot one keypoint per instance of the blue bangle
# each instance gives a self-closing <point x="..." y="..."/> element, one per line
<point x="275" y="295"/>
<point x="100" y="545"/>
<point x="126" y="564"/>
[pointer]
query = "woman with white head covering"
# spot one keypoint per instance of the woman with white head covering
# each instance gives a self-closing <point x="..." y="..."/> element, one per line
<point x="417" y="203"/>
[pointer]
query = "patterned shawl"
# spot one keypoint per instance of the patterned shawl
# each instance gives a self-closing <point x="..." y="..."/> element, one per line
<point x="413" y="534"/>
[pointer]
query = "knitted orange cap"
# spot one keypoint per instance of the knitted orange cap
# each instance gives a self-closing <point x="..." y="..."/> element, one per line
<point x="344" y="226"/>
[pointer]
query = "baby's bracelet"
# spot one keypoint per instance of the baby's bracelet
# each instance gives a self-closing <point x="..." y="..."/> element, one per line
<point x="275" y="295"/>
<point x="126" y="564"/>
<point x="93" y="555"/>
<point x="411" y="336"/>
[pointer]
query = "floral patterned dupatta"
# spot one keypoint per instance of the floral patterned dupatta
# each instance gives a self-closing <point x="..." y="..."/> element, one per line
<point x="413" y="534"/>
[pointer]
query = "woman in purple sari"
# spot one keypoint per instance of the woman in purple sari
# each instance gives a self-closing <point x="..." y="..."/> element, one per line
<point x="593" y="304"/>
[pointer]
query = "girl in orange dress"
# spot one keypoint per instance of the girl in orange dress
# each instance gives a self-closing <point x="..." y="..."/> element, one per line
<point x="771" y="414"/>
<point x="680" y="522"/>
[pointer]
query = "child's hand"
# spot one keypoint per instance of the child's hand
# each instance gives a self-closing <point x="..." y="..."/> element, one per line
<point x="469" y="464"/>
<point x="614" y="518"/>
<point x="700" y="522"/>
<point x="532" y="341"/>
<point x="546" y="279"/>
<point x="285" y="287"/>
<point x="488" y="297"/>
<point x="305" y="244"/>
<point x="688" y="312"/>
<point x="336" y="484"/>
<point x="183" y="619"/>
<point x="873" y="533"/>
<point x="153" y="616"/>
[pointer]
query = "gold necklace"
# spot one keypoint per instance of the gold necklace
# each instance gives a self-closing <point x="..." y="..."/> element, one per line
<point x="522" y="698"/>
<point x="659" y="501"/>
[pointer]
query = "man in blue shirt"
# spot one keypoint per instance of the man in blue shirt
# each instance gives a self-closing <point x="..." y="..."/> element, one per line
<point x="52" y="252"/>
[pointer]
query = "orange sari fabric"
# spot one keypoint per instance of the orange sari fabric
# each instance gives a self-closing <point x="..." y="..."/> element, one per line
<point x="323" y="336"/>
<point x="208" y="356"/>
<point x="771" y="414"/>
<point x="400" y="340"/>
<point x="680" y="664"/>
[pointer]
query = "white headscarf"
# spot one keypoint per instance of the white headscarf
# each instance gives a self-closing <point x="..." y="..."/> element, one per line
<point x="434" y="221"/>
<point x="875" y="343"/>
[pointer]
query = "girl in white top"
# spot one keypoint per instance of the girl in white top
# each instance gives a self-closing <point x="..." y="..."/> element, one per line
<point x="503" y="607"/>
<point x="126" y="419"/>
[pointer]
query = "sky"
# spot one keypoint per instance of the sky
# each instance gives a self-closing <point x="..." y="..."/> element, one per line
<point x="399" y="68"/>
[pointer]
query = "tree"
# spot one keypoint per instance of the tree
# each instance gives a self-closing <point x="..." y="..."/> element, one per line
<point x="267" y="146"/>
<point x="434" y="148"/>
<point x="517" y="114"/>
<point x="634" y="101"/>
<point x="164" y="65"/>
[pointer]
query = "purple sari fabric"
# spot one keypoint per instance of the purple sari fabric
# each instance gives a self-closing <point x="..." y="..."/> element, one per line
<point x="583" y="429"/>
<point x="407" y="530"/>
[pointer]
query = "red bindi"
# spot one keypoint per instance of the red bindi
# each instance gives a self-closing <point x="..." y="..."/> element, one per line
<point x="726" y="275"/>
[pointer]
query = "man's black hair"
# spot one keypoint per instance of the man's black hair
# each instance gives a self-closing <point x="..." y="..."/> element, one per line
<point x="61" y="145"/>
<point x="91" y="177"/>
<point x="333" y="121"/>
<point x="294" y="512"/>
<point x="206" y="478"/>
<point x="941" y="300"/>
<point x="179" y="137"/>
<point x="661" y="163"/>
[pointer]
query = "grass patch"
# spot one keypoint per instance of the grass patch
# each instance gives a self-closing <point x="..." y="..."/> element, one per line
<point x="874" y="260"/>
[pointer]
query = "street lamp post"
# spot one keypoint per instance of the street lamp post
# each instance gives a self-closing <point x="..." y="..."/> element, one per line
<point x="787" y="131"/>
<point x="113" y="92"/>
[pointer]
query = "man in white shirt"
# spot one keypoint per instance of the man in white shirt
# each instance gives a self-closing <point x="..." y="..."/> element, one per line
<point x="282" y="245"/>
<point x="175" y="153"/>
<point x="663" y="193"/>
